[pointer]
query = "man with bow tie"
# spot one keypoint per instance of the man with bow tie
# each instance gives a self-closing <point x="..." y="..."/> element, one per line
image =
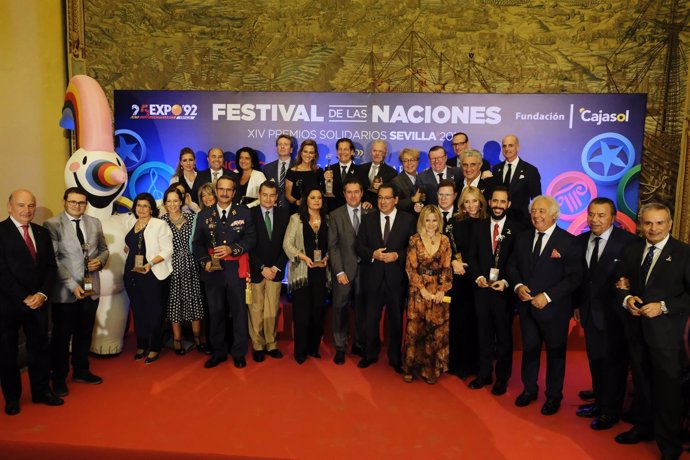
<point x="544" y="271"/>
<point x="658" y="271"/>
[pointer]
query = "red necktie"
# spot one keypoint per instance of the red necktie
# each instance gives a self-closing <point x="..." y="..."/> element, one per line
<point x="29" y="243"/>
<point x="495" y="236"/>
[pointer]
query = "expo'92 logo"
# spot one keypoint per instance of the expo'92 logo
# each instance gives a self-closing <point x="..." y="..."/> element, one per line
<point x="163" y="111"/>
<point x="607" y="157"/>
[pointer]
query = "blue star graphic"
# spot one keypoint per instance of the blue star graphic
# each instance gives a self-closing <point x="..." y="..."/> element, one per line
<point x="126" y="151"/>
<point x="608" y="157"/>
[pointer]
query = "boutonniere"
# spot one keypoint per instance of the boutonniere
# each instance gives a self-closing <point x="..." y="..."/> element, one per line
<point x="500" y="238"/>
<point x="668" y="259"/>
<point x="555" y="254"/>
<point x="236" y="223"/>
<point x="234" y="212"/>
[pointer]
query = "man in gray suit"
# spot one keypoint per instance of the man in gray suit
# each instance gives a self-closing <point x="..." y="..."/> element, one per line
<point x="347" y="291"/>
<point x="276" y="170"/>
<point x="81" y="252"/>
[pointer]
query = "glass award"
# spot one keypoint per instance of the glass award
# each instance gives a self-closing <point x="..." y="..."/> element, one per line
<point x="215" y="262"/>
<point x="87" y="282"/>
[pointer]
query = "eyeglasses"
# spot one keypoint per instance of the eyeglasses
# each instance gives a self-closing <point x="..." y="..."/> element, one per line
<point x="386" y="198"/>
<point x="458" y="144"/>
<point x="76" y="203"/>
<point x="437" y="158"/>
<point x="410" y="160"/>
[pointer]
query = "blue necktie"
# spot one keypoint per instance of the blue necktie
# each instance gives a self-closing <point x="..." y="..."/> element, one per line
<point x="647" y="264"/>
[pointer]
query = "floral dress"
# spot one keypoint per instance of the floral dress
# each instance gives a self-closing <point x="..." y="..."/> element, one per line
<point x="426" y="340"/>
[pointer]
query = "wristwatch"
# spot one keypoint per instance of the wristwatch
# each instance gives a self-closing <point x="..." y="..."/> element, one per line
<point x="664" y="310"/>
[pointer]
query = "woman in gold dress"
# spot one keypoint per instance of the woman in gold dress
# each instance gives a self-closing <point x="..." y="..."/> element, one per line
<point x="428" y="267"/>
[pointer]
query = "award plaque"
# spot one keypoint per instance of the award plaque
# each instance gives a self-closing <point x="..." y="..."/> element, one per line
<point x="493" y="275"/>
<point x="87" y="282"/>
<point x="375" y="184"/>
<point x="139" y="264"/>
<point x="215" y="262"/>
<point x="317" y="256"/>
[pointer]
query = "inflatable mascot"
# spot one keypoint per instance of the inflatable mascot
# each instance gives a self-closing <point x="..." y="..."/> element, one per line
<point x="96" y="168"/>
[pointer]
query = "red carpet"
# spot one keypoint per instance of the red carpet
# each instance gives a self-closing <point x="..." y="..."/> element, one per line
<point x="175" y="408"/>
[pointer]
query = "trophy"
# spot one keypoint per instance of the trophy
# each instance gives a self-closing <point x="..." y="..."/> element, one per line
<point x="87" y="283"/>
<point x="248" y="291"/>
<point x="494" y="272"/>
<point x="375" y="184"/>
<point x="215" y="262"/>
<point x="139" y="257"/>
<point x="329" y="182"/>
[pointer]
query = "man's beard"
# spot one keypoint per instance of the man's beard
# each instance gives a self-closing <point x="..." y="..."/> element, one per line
<point x="498" y="217"/>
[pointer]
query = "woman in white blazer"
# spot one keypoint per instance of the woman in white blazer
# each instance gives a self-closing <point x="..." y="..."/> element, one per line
<point x="251" y="177"/>
<point x="149" y="250"/>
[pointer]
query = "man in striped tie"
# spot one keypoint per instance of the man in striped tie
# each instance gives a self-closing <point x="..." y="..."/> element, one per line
<point x="276" y="170"/>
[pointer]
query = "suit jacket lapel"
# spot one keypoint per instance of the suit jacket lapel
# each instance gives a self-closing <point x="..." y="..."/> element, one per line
<point x="657" y="268"/>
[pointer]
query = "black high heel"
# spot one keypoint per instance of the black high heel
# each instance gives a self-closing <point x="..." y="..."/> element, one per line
<point x="177" y="346"/>
<point x="201" y="346"/>
<point x="139" y="354"/>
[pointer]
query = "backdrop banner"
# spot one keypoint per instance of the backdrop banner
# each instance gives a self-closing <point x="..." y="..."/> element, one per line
<point x="585" y="145"/>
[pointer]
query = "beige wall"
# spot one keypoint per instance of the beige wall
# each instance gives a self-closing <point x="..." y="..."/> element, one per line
<point x="32" y="86"/>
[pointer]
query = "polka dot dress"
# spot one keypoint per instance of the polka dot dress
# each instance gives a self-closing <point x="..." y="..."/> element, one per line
<point x="185" y="291"/>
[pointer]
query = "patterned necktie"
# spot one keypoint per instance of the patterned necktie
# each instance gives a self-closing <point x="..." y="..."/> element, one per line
<point x="343" y="172"/>
<point x="373" y="172"/>
<point x="80" y="234"/>
<point x="495" y="237"/>
<point x="281" y="179"/>
<point x="355" y="220"/>
<point x="445" y="218"/>
<point x="537" y="247"/>
<point x="269" y="226"/>
<point x="224" y="217"/>
<point x="506" y="179"/>
<point x="215" y="177"/>
<point x="594" y="258"/>
<point x="29" y="243"/>
<point x="386" y="230"/>
<point x="647" y="264"/>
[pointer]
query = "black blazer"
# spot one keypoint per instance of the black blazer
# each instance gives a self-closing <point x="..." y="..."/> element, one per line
<point x="386" y="172"/>
<point x="268" y="251"/>
<point x="338" y="179"/>
<point x="204" y="177"/>
<point x="480" y="259"/>
<point x="428" y="182"/>
<point x="405" y="190"/>
<point x="271" y="172"/>
<point x="525" y="185"/>
<point x="596" y="297"/>
<point x="20" y="276"/>
<point x="557" y="272"/>
<point x="370" y="238"/>
<point x="669" y="281"/>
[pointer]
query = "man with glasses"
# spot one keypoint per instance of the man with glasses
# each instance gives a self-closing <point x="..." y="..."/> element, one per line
<point x="382" y="247"/>
<point x="438" y="171"/>
<point x="409" y="190"/>
<point x="225" y="232"/>
<point x="81" y="252"/>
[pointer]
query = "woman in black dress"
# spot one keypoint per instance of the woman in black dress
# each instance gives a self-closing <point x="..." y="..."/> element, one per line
<point x="463" y="341"/>
<point x="304" y="175"/>
<point x="306" y="244"/>
<point x="149" y="242"/>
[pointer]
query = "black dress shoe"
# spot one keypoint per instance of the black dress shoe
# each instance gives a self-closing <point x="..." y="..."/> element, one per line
<point x="48" y="398"/>
<point x="357" y="351"/>
<point x="550" y="407"/>
<point x="60" y="388"/>
<point x="240" y="362"/>
<point x="12" y="407"/>
<point x="86" y="377"/>
<point x="499" y="388"/>
<point x="213" y="361"/>
<point x="633" y="436"/>
<point x="603" y="422"/>
<point x="152" y="359"/>
<point x="478" y="383"/>
<point x="275" y="353"/>
<point x="300" y="360"/>
<point x="587" y="406"/>
<point x="339" y="358"/>
<point x="589" y="412"/>
<point x="259" y="356"/>
<point x="365" y="362"/>
<point x="314" y="354"/>
<point x="586" y="395"/>
<point x="139" y="354"/>
<point x="524" y="399"/>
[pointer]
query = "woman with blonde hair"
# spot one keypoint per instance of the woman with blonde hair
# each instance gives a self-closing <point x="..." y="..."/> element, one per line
<point x="428" y="268"/>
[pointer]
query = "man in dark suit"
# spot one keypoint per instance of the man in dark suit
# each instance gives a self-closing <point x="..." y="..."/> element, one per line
<point x="460" y="142"/>
<point x="598" y="309"/>
<point x="267" y="261"/>
<point x="430" y="178"/>
<point x="471" y="161"/>
<point x="276" y="170"/>
<point x="225" y="232"/>
<point x="409" y="189"/>
<point x="340" y="171"/>
<point x="545" y="270"/>
<point x="376" y="172"/>
<point x="658" y="271"/>
<point x="493" y="302"/>
<point x="382" y="247"/>
<point x="521" y="178"/>
<point x="342" y="256"/>
<point x="27" y="275"/>
<point x="81" y="252"/>
<point x="216" y="159"/>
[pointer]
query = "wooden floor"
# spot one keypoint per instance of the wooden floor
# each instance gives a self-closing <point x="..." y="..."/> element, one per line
<point x="174" y="408"/>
